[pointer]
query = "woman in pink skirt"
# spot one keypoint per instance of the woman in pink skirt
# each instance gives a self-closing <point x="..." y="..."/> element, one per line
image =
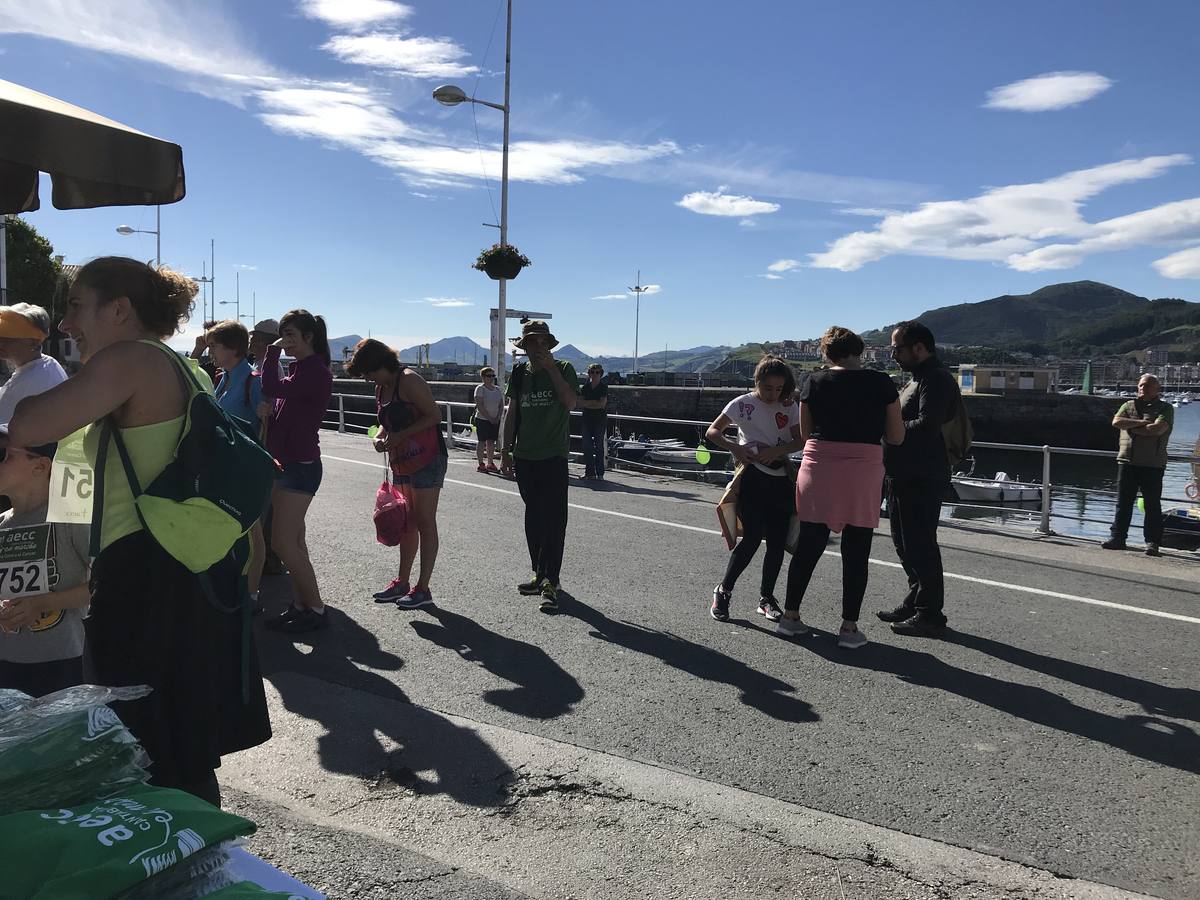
<point x="846" y="412"/>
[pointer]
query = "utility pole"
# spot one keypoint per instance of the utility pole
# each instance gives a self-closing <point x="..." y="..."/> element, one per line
<point x="637" y="290"/>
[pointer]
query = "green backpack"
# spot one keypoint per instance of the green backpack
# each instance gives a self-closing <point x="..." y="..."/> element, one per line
<point x="216" y="486"/>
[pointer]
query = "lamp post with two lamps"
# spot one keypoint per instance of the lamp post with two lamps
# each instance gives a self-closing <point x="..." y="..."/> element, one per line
<point x="157" y="232"/>
<point x="451" y="95"/>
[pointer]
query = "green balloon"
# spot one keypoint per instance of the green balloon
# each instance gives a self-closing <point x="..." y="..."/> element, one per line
<point x="373" y="432"/>
<point x="1141" y="504"/>
<point x="703" y="456"/>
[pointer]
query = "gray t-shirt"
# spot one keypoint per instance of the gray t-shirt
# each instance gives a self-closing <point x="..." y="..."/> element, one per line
<point x="25" y="541"/>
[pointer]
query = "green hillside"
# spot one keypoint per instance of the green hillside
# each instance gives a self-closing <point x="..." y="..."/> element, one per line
<point x="1074" y="319"/>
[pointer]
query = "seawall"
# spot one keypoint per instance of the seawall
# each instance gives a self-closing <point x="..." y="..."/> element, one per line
<point x="1061" y="420"/>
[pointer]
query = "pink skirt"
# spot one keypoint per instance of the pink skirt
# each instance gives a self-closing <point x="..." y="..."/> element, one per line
<point x="840" y="484"/>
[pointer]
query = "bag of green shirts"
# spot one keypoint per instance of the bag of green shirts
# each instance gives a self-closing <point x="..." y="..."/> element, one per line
<point x="99" y="849"/>
<point x="66" y="747"/>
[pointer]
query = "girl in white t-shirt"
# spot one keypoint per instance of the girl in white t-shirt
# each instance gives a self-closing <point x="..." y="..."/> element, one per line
<point x="768" y="424"/>
<point x="489" y="400"/>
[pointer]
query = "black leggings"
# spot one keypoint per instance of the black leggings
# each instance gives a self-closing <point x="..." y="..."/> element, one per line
<point x="765" y="508"/>
<point x="856" y="551"/>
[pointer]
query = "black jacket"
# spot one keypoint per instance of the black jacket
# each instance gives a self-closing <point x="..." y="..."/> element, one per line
<point x="927" y="403"/>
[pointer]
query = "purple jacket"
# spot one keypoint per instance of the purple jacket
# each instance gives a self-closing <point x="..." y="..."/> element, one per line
<point x="301" y="400"/>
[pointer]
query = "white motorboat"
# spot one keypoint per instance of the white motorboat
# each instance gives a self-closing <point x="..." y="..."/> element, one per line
<point x="1001" y="489"/>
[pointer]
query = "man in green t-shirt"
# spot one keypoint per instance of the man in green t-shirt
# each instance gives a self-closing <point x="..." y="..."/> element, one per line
<point x="1145" y="425"/>
<point x="541" y="394"/>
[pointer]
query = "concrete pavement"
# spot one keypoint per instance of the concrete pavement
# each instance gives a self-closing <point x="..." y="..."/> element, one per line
<point x="1055" y="728"/>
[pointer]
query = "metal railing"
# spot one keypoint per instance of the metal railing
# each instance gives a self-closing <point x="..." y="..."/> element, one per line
<point x="352" y="421"/>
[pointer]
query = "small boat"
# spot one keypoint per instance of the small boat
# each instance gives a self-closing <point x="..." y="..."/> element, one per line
<point x="681" y="458"/>
<point x="636" y="449"/>
<point x="1001" y="489"/>
<point x="1181" y="527"/>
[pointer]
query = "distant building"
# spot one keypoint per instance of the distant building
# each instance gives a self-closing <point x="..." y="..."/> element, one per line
<point x="989" y="379"/>
<point x="1157" y="356"/>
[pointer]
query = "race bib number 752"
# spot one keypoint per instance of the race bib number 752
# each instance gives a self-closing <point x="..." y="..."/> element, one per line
<point x="72" y="483"/>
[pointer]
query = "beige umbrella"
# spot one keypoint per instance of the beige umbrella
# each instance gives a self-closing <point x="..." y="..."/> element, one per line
<point x="92" y="161"/>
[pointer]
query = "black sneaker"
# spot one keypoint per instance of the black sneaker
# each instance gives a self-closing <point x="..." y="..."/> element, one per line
<point x="769" y="608"/>
<point x="1152" y="550"/>
<point x="899" y="614"/>
<point x="304" y="621"/>
<point x="1114" y="544"/>
<point x="918" y="626"/>
<point x="549" y="597"/>
<point x="531" y="587"/>
<point x="720" y="605"/>
<point x="283" y="618"/>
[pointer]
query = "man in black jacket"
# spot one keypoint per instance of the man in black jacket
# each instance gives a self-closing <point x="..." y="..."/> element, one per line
<point x="918" y="474"/>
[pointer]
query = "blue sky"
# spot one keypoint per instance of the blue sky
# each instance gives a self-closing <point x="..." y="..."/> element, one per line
<point x="771" y="167"/>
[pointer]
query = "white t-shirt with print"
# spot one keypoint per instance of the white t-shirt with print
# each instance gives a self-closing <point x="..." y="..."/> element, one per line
<point x="491" y="400"/>
<point x="765" y="424"/>
<point x="35" y="377"/>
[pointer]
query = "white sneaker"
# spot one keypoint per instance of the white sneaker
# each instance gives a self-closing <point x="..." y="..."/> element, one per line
<point x="851" y="640"/>
<point x="791" y="627"/>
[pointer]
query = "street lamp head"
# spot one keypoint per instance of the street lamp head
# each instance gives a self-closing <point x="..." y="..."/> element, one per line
<point x="124" y="229"/>
<point x="450" y="95"/>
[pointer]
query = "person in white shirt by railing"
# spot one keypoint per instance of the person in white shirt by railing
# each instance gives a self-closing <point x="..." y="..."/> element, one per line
<point x="23" y="329"/>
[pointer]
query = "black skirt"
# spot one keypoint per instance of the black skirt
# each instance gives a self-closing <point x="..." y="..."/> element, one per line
<point x="150" y="623"/>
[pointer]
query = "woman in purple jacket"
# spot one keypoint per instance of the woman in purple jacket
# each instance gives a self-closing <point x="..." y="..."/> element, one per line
<point x="301" y="400"/>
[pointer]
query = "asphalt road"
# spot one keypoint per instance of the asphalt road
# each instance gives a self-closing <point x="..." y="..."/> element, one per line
<point x="1053" y="726"/>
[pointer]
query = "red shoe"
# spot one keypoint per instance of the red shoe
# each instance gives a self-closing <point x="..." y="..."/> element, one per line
<point x="491" y="467"/>
<point x="481" y="468"/>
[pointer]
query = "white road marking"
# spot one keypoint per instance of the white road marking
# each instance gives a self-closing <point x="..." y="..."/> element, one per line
<point x="1019" y="588"/>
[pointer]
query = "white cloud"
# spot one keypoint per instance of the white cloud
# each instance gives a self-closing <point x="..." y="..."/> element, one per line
<point x="748" y="223"/>
<point x="342" y="114"/>
<point x="246" y="268"/>
<point x="1170" y="222"/>
<point x="161" y="33"/>
<point x="649" y="290"/>
<point x="1001" y="224"/>
<point x="869" y="212"/>
<point x="718" y="203"/>
<point x="1054" y="90"/>
<point x="418" y="57"/>
<point x="784" y="265"/>
<point x="447" y="302"/>
<point x="355" y="14"/>
<point x="771" y="276"/>
<point x="1184" y="264"/>
<point x="612" y="297"/>
<point x="540" y="162"/>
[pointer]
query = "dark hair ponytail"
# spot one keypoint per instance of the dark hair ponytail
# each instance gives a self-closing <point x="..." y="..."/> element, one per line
<point x="308" y="324"/>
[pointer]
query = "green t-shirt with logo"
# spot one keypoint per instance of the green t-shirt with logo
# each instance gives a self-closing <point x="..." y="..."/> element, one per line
<point x="1145" y="449"/>
<point x="544" y="426"/>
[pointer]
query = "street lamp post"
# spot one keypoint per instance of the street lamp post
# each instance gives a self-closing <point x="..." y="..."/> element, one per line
<point x="450" y="95"/>
<point x="637" y="290"/>
<point x="157" y="232"/>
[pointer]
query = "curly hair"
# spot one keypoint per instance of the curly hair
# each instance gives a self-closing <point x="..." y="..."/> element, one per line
<point x="370" y="356"/>
<point x="839" y="343"/>
<point x="161" y="298"/>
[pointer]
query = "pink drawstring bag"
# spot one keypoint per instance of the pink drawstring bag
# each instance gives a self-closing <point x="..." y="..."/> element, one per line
<point x="391" y="513"/>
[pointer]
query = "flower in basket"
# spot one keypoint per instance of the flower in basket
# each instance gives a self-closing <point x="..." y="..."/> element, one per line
<point x="501" y="261"/>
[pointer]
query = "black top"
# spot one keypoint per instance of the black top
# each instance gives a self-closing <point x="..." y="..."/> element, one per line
<point x="587" y="392"/>
<point x="848" y="404"/>
<point x="927" y="403"/>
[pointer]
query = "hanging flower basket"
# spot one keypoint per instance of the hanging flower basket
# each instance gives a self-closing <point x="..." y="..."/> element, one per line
<point x="501" y="261"/>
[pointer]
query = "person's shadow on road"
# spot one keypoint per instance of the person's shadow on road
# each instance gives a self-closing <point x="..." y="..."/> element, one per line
<point x="1157" y="740"/>
<point x="466" y="767"/>
<point x="763" y="692"/>
<point x="544" y="690"/>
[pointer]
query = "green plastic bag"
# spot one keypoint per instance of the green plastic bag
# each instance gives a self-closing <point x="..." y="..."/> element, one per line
<point x="66" y="748"/>
<point x="103" y="847"/>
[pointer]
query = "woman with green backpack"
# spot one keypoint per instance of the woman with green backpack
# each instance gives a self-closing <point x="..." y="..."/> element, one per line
<point x="181" y="629"/>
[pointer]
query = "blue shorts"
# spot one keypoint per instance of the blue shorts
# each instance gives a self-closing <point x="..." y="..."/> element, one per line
<point x="302" y="477"/>
<point x="432" y="476"/>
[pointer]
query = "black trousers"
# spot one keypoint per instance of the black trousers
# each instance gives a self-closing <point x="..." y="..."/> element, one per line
<point x="765" y="507"/>
<point x="543" y="487"/>
<point x="914" y="509"/>
<point x="39" y="679"/>
<point x="856" y="553"/>
<point x="1130" y="480"/>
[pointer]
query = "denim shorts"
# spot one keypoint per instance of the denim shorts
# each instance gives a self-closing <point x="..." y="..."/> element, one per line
<point x="432" y="476"/>
<point x="302" y="477"/>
